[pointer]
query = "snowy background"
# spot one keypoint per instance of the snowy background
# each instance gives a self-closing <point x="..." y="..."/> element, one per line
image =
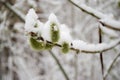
<point x="19" y="62"/>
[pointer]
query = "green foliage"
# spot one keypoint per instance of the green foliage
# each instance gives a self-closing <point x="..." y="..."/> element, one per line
<point x="55" y="35"/>
<point x="36" y="25"/>
<point x="36" y="45"/>
<point x="119" y="3"/>
<point x="65" y="47"/>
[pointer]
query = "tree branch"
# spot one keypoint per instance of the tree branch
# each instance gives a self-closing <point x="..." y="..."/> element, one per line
<point x="113" y="44"/>
<point x="98" y="15"/>
<point x="59" y="65"/>
<point x="15" y="11"/>
<point x="111" y="66"/>
<point x="101" y="56"/>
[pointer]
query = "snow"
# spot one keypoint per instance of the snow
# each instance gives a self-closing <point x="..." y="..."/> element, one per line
<point x="46" y="33"/>
<point x="108" y="31"/>
<point x="106" y="19"/>
<point x="81" y="45"/>
<point x="111" y="22"/>
<point x="91" y="10"/>
<point x="32" y="24"/>
<point x="40" y="27"/>
<point x="65" y="35"/>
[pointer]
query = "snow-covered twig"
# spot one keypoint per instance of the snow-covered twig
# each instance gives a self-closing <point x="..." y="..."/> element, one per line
<point x="108" y="47"/>
<point x="60" y="66"/>
<point x="111" y="65"/>
<point x="110" y="23"/>
<point x="83" y="47"/>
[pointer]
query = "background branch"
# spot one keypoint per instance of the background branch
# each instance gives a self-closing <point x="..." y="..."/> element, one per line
<point x="101" y="56"/>
<point x="59" y="65"/>
<point x="98" y="15"/>
<point x="111" y="66"/>
<point x="15" y="11"/>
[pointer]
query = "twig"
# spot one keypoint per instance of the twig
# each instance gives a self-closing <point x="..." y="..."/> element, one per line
<point x="15" y="11"/>
<point x="87" y="51"/>
<point x="97" y="15"/>
<point x="60" y="66"/>
<point x="111" y="66"/>
<point x="76" y="66"/>
<point x="101" y="56"/>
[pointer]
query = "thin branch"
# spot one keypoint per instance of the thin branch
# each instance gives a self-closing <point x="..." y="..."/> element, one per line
<point x="84" y="10"/>
<point x="15" y="11"/>
<point x="117" y="42"/>
<point x="97" y="15"/>
<point x="76" y="66"/>
<point x="60" y="66"/>
<point x="111" y="66"/>
<point x="101" y="56"/>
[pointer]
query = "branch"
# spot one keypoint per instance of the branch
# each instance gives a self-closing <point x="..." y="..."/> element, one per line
<point x="60" y="66"/>
<point x="98" y="15"/>
<point x="111" y="66"/>
<point x="101" y="56"/>
<point x="15" y="11"/>
<point x="106" y="48"/>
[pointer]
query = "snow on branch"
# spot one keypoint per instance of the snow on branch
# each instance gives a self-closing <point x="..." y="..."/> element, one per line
<point x="44" y="36"/>
<point x="110" y="23"/>
<point x="94" y="48"/>
<point x="106" y="20"/>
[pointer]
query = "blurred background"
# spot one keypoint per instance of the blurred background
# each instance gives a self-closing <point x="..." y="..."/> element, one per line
<point x="19" y="62"/>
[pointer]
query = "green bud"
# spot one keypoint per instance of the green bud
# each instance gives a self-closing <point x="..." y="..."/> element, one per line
<point x="36" y="45"/>
<point x="65" y="47"/>
<point x="36" y="25"/>
<point x="55" y="35"/>
<point x="48" y="46"/>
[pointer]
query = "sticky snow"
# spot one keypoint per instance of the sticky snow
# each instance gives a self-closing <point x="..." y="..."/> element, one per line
<point x="81" y="45"/>
<point x="108" y="31"/>
<point x="32" y="24"/>
<point x="91" y="10"/>
<point x="111" y="22"/>
<point x="65" y="35"/>
<point x="46" y="29"/>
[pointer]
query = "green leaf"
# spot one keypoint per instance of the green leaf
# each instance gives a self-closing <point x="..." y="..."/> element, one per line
<point x="36" y="45"/>
<point x="65" y="47"/>
<point x="55" y="35"/>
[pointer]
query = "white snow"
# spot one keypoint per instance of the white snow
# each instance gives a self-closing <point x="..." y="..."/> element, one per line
<point x="46" y="29"/>
<point x="106" y="19"/>
<point x="111" y="22"/>
<point x="32" y="24"/>
<point x="81" y="45"/>
<point x="40" y="27"/>
<point x="108" y="31"/>
<point x="65" y="35"/>
<point x="93" y="11"/>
